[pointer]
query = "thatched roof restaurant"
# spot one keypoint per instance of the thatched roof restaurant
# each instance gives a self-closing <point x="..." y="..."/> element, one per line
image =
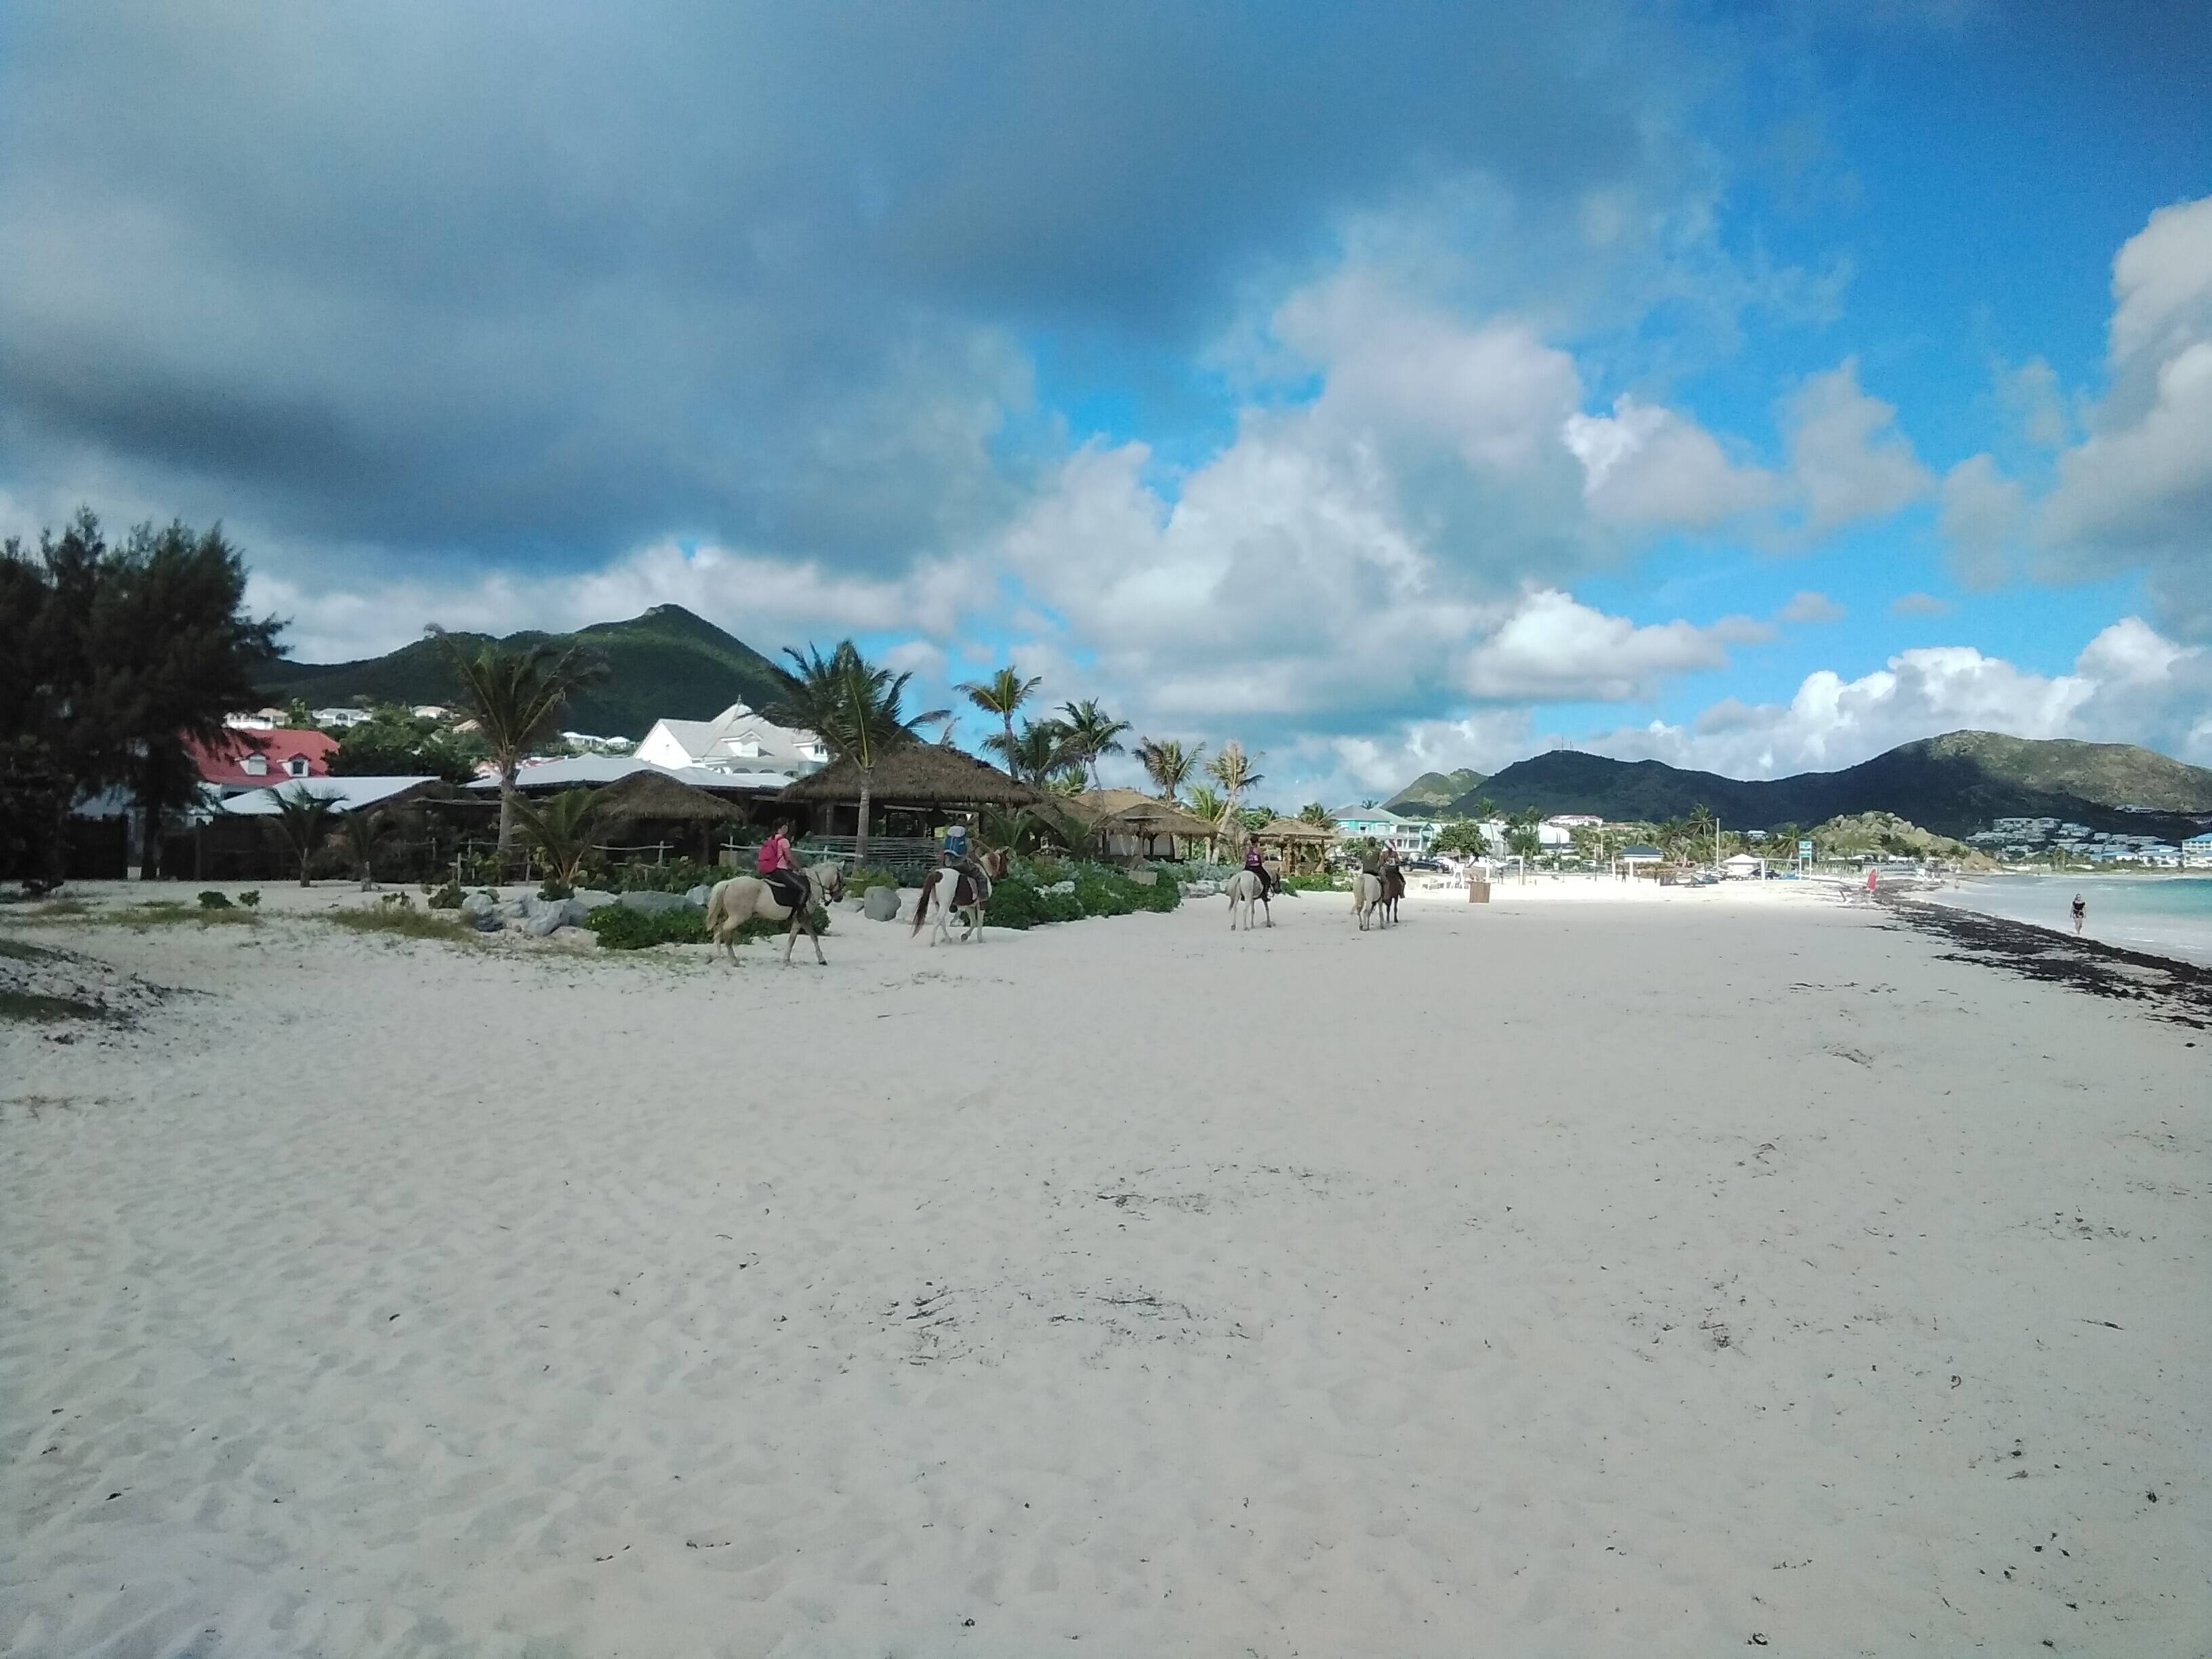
<point x="1298" y="841"/>
<point x="655" y="796"/>
<point x="1130" y="823"/>
<point x="920" y="774"/>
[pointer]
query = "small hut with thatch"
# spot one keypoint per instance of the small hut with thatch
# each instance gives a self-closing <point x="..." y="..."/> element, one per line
<point x="652" y="805"/>
<point x="1128" y="823"/>
<point x="1302" y="846"/>
<point x="911" y="791"/>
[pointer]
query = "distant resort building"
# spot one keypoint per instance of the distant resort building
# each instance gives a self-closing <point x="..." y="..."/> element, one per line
<point x="2196" y="852"/>
<point x="342" y="718"/>
<point x="735" y="740"/>
<point x="1410" y="838"/>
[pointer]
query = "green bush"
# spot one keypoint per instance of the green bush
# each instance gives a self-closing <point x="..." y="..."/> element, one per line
<point x="1100" y="893"/>
<point x="858" y="881"/>
<point x="448" y="897"/>
<point x="1021" y="901"/>
<point x="621" y="928"/>
<point x="550" y="889"/>
<point x="213" y="902"/>
<point x="677" y="876"/>
<point x="1314" y="884"/>
<point x="251" y="898"/>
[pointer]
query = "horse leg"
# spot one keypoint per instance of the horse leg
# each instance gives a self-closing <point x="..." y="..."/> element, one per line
<point x="1267" y="909"/>
<point x="815" y="939"/>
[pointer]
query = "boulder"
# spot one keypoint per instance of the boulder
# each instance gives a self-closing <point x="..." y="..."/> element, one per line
<point x="478" y="905"/>
<point x="592" y="898"/>
<point x="655" y="904"/>
<point x="485" y="921"/>
<point x="548" y="918"/>
<point x="697" y="897"/>
<point x="882" y="904"/>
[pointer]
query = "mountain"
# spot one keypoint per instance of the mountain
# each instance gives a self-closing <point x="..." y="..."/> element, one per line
<point x="1953" y="784"/>
<point x="1433" y="791"/>
<point x="666" y="663"/>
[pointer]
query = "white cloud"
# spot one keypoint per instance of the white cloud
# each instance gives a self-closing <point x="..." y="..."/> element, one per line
<point x="2029" y="394"/>
<point x="1848" y="458"/>
<point x="1919" y="605"/>
<point x="1554" y="649"/>
<point x="2130" y="685"/>
<point x="2138" y="488"/>
<point x="1807" y="606"/>
<point x="1646" y="465"/>
<point x="1980" y="516"/>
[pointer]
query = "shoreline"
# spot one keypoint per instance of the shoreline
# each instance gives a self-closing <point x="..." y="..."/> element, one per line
<point x="2054" y="955"/>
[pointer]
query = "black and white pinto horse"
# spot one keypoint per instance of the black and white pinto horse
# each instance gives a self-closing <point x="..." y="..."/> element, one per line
<point x="737" y="900"/>
<point x="951" y="890"/>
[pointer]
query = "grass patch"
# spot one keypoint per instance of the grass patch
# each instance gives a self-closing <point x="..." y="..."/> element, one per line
<point x="167" y="913"/>
<point x="58" y="910"/>
<point x="14" y="949"/>
<point x="28" y="1006"/>
<point x="401" y="921"/>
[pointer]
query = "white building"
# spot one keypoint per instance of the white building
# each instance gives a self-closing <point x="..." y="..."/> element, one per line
<point x="342" y="718"/>
<point x="735" y="740"/>
<point x="2197" y="851"/>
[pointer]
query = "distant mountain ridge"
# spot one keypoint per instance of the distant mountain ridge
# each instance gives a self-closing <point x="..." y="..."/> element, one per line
<point x="1433" y="791"/>
<point x="666" y="664"/>
<point x="1953" y="784"/>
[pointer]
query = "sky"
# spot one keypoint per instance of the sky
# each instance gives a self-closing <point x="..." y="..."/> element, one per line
<point x="1390" y="388"/>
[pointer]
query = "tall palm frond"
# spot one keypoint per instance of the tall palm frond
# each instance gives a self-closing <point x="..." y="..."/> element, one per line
<point x="1037" y="754"/>
<point x="1168" y="763"/>
<point x="856" y="708"/>
<point x="303" y="821"/>
<point x="515" y="696"/>
<point x="364" y="827"/>
<point x="560" y="828"/>
<point x="1002" y="695"/>
<point x="1092" y="733"/>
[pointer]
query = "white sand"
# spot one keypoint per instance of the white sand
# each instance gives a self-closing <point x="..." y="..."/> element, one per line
<point x="1551" y="1279"/>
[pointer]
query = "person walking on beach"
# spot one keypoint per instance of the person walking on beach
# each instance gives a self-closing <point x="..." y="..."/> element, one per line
<point x="2080" y="914"/>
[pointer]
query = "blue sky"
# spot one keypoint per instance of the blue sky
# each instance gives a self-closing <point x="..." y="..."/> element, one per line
<point x="1752" y="386"/>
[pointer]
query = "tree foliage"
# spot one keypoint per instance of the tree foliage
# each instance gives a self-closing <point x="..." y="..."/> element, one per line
<point x="1002" y="695"/>
<point x="112" y="659"/>
<point x="1168" y="763"/>
<point x="856" y="708"/>
<point x="559" y="828"/>
<point x="515" y="695"/>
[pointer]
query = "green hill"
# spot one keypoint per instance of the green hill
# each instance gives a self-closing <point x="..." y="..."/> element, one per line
<point x="1433" y="791"/>
<point x="1952" y="784"/>
<point x="665" y="664"/>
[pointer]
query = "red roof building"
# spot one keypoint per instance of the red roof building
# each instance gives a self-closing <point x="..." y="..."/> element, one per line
<point x="255" y="760"/>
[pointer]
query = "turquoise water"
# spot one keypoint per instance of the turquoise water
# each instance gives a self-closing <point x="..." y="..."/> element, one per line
<point x="2165" y="915"/>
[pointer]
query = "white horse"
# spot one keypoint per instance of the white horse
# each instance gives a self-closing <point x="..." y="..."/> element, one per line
<point x="1367" y="895"/>
<point x="951" y="890"/>
<point x="1245" y="887"/>
<point x="739" y="900"/>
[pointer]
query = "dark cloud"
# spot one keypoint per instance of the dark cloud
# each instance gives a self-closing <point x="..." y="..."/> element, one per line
<point x="535" y="282"/>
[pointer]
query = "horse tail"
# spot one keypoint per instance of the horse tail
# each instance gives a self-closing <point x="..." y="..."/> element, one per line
<point x="922" y="902"/>
<point x="717" y="907"/>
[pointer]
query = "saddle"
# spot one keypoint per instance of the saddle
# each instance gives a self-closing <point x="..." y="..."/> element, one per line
<point x="789" y="889"/>
<point x="971" y="886"/>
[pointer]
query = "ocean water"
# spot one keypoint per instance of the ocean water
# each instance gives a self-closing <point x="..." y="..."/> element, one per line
<point x="2164" y="916"/>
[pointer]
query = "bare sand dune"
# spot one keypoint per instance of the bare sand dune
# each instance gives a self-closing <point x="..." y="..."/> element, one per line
<point x="1541" y="1279"/>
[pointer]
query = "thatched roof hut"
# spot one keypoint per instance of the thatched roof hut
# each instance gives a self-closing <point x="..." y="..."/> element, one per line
<point x="663" y="800"/>
<point x="1298" y="841"/>
<point x="1137" y="812"/>
<point x="920" y="774"/>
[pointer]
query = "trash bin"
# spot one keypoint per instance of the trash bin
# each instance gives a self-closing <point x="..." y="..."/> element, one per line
<point x="1478" y="889"/>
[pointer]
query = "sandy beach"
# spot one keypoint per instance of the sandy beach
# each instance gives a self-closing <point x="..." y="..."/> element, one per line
<point x="1593" y="1271"/>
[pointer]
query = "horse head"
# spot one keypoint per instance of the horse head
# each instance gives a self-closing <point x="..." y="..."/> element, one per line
<point x="995" y="862"/>
<point x="828" y="879"/>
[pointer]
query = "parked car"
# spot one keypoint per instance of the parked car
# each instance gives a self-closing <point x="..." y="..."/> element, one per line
<point x="1423" y="864"/>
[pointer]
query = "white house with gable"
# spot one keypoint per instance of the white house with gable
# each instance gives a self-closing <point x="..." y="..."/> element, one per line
<point x="735" y="740"/>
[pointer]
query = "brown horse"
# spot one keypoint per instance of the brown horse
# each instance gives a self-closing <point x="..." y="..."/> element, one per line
<point x="951" y="890"/>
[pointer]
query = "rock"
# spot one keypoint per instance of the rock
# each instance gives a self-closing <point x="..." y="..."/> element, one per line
<point x="881" y="904"/>
<point x="697" y="897"/>
<point x="549" y="917"/>
<point x="479" y="905"/>
<point x="1058" y="887"/>
<point x="1202" y="889"/>
<point x="485" y="921"/>
<point x="513" y="910"/>
<point x="1143" y="878"/>
<point x="577" y="912"/>
<point x="592" y="898"/>
<point x="655" y="904"/>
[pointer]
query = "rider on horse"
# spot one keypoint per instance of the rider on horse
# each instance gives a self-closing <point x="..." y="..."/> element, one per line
<point x="956" y="856"/>
<point x="1256" y="862"/>
<point x="779" y="867"/>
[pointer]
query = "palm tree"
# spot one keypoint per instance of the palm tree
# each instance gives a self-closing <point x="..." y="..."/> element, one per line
<point x="1003" y="693"/>
<point x="303" y="819"/>
<point x="1039" y="750"/>
<point x="1700" y="828"/>
<point x="1092" y="733"/>
<point x="362" y="831"/>
<point x="515" y="698"/>
<point x="1232" y="769"/>
<point x="1207" y="802"/>
<point x="1168" y="763"/>
<point x="560" y="828"/>
<point x="856" y="708"/>
<point x="1314" y="813"/>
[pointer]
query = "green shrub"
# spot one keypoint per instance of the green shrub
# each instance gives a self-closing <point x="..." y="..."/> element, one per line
<point x="677" y="876"/>
<point x="1101" y="893"/>
<point x="448" y="897"/>
<point x="1314" y="884"/>
<point x="212" y="901"/>
<point x="1015" y="903"/>
<point x="550" y="889"/>
<point x="251" y="898"/>
<point x="403" y="919"/>
<point x="858" y="881"/>
<point x="621" y="928"/>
